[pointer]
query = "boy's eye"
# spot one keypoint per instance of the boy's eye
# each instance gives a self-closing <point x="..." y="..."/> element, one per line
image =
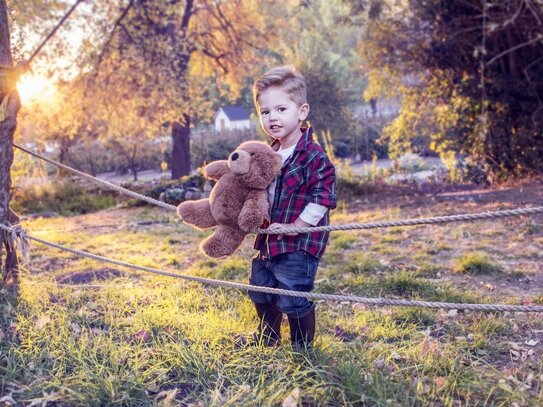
<point x="263" y="112"/>
<point x="282" y="109"/>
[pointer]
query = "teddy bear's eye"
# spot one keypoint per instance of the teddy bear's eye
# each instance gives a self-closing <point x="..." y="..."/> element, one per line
<point x="253" y="154"/>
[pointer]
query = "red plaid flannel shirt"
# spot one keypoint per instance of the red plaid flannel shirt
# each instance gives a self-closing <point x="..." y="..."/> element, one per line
<point x="307" y="176"/>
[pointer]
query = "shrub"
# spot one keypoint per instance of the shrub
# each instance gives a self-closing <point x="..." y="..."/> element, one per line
<point x="174" y="191"/>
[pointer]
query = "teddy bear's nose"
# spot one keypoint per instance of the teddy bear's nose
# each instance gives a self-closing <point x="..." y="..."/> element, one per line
<point x="234" y="156"/>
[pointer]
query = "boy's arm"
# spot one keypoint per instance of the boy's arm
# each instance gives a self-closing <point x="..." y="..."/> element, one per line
<point x="322" y="187"/>
<point x="298" y="223"/>
<point x="322" y="182"/>
<point x="313" y="213"/>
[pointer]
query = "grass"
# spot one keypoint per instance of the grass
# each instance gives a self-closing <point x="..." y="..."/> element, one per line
<point x="64" y="197"/>
<point x="139" y="339"/>
<point x="475" y="263"/>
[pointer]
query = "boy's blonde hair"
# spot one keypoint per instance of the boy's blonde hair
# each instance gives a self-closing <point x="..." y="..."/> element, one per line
<point x="285" y="77"/>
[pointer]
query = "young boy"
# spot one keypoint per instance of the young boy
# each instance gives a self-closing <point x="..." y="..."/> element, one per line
<point x="300" y="196"/>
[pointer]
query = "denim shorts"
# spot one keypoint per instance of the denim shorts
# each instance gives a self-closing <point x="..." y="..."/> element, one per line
<point x="289" y="271"/>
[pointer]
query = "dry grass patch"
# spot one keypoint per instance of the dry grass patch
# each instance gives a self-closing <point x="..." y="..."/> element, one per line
<point x="475" y="263"/>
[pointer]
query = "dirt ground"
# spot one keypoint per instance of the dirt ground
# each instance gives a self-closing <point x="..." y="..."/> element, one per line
<point x="461" y="199"/>
<point x="413" y="202"/>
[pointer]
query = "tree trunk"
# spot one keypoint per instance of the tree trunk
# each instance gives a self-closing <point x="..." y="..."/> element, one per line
<point x="134" y="163"/>
<point x="181" y="147"/>
<point x="9" y="107"/>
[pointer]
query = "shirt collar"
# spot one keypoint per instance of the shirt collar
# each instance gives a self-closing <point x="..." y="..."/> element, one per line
<point x="307" y="135"/>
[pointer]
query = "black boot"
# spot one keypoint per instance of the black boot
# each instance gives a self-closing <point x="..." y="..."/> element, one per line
<point x="302" y="330"/>
<point x="269" y="327"/>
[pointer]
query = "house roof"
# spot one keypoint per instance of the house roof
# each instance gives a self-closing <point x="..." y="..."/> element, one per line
<point x="236" y="112"/>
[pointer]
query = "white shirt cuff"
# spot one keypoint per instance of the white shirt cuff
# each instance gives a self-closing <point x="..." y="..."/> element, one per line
<point x="313" y="213"/>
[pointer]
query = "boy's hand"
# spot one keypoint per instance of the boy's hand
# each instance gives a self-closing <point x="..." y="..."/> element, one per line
<point x="297" y="224"/>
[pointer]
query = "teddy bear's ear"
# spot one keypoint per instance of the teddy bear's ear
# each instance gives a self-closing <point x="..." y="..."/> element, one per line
<point x="216" y="169"/>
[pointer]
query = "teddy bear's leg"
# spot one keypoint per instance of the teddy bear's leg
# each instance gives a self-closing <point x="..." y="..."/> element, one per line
<point x="254" y="211"/>
<point x="223" y="242"/>
<point x="197" y="213"/>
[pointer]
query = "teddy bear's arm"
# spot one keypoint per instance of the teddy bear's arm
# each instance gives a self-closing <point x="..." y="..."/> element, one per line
<point x="255" y="211"/>
<point x="197" y="213"/>
<point x="216" y="169"/>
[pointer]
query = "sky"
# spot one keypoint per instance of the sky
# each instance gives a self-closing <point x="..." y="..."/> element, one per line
<point x="39" y="84"/>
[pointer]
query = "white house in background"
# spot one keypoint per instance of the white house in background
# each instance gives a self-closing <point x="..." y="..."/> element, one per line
<point x="232" y="118"/>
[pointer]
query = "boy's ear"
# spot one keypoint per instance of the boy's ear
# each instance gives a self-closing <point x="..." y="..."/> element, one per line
<point x="304" y="112"/>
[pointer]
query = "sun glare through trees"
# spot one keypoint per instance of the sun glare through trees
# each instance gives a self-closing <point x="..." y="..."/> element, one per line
<point x="36" y="88"/>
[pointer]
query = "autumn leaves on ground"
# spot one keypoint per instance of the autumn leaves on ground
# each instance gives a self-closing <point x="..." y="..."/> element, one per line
<point x="85" y="333"/>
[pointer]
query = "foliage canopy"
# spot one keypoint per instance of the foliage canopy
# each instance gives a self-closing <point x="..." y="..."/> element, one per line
<point x="470" y="75"/>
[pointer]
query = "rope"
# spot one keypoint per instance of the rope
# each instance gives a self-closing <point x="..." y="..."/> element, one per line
<point x="106" y="183"/>
<point x="279" y="291"/>
<point x="348" y="226"/>
<point x="17" y="235"/>
<point x="409" y="222"/>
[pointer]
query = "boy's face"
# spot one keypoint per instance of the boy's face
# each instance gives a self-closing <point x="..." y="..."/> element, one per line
<point x="280" y="116"/>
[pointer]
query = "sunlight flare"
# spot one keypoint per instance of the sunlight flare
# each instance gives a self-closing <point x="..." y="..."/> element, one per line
<point x="34" y="88"/>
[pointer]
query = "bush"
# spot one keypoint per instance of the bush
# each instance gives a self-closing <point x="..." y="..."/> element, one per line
<point x="173" y="192"/>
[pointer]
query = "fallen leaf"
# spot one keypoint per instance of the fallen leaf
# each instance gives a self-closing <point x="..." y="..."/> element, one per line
<point x="292" y="399"/>
<point x="357" y="306"/>
<point x="169" y="400"/>
<point x="142" y="335"/>
<point x="514" y="354"/>
<point x="169" y="397"/>
<point x="440" y="382"/>
<point x="244" y="389"/>
<point x="531" y="342"/>
<point x="42" y="322"/>
<point x="379" y="363"/>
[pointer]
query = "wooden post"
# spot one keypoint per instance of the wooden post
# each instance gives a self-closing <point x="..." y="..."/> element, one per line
<point x="9" y="107"/>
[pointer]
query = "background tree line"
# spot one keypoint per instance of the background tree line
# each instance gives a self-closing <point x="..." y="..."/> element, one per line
<point x="468" y="75"/>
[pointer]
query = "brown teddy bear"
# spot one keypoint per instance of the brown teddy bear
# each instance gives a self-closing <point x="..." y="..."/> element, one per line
<point x="238" y="202"/>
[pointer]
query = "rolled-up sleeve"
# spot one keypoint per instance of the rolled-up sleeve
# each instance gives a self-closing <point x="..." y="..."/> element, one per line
<point x="322" y="181"/>
<point x="313" y="213"/>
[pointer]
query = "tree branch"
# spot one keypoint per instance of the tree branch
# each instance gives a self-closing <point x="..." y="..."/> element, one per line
<point x="117" y="24"/>
<point x="539" y="37"/>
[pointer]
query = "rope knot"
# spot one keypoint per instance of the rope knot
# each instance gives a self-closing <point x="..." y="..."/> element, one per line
<point x="18" y="238"/>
